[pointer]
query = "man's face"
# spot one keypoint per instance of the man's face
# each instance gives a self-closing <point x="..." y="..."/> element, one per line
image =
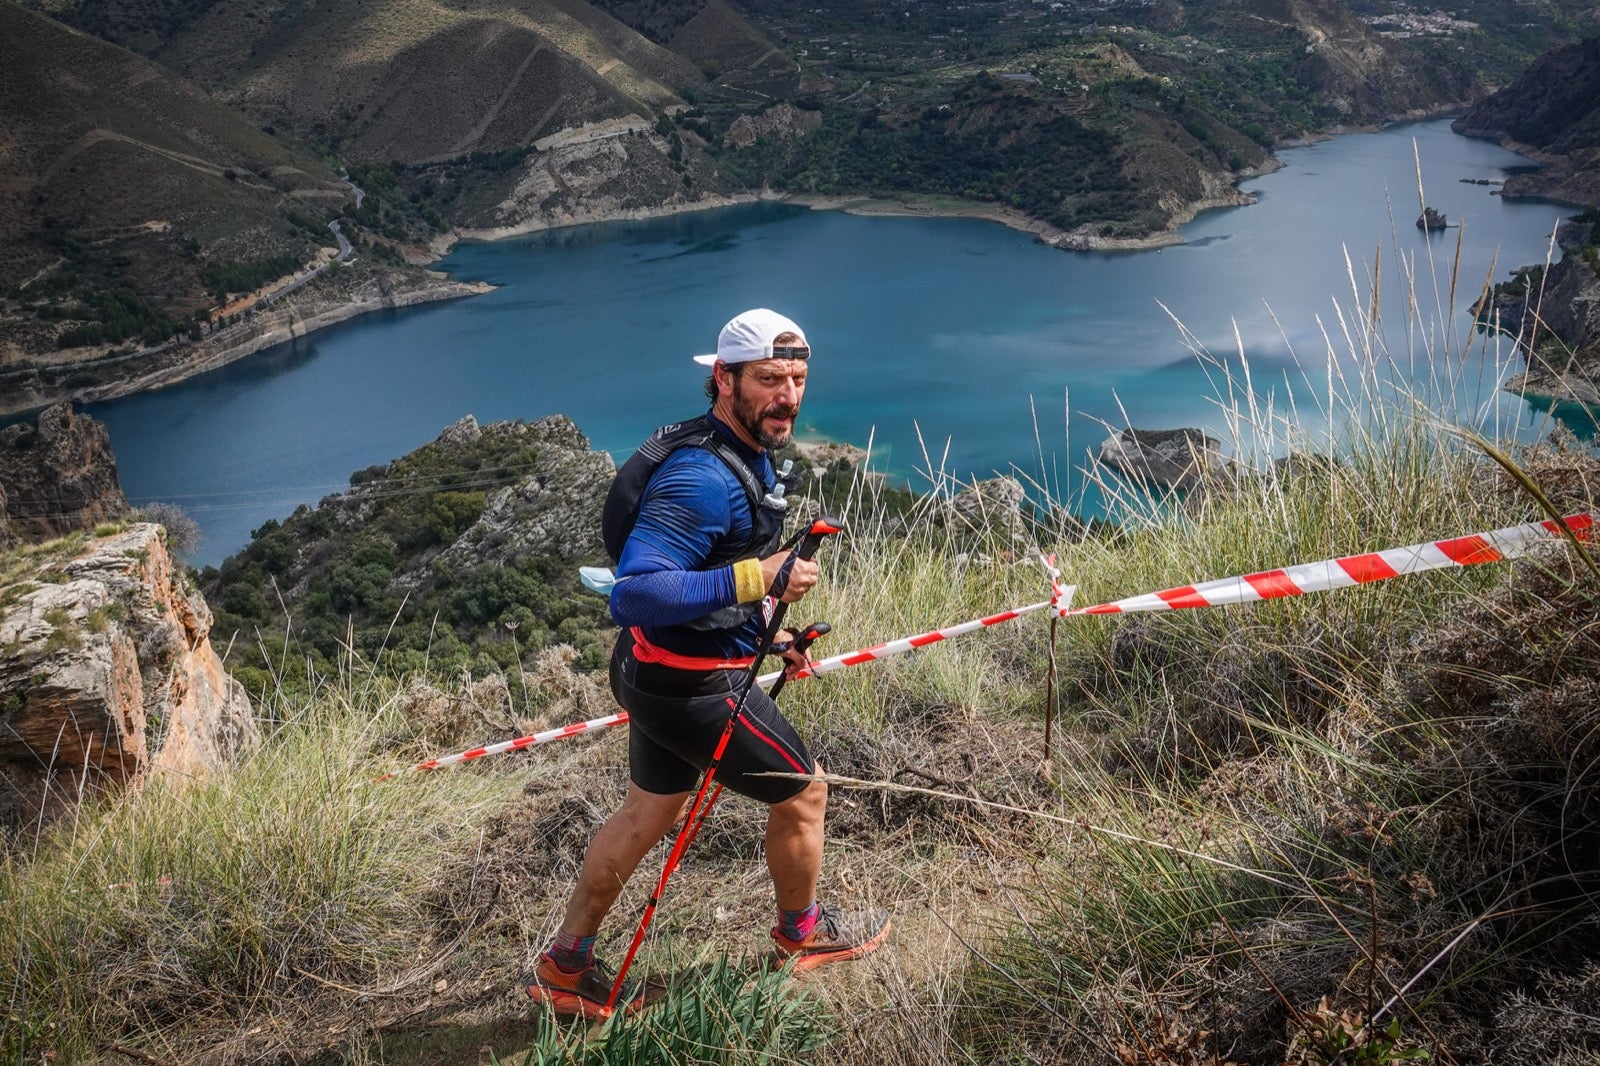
<point x="766" y="400"/>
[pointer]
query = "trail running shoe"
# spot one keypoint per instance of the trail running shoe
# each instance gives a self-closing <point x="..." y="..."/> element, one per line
<point x="584" y="992"/>
<point x="838" y="935"/>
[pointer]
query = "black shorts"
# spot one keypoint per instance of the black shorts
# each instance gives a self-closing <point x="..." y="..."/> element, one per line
<point x="676" y="717"/>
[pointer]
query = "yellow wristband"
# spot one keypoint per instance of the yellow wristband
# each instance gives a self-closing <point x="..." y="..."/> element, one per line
<point x="747" y="581"/>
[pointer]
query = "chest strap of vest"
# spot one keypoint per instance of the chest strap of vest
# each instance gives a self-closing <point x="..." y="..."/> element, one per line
<point x="646" y="652"/>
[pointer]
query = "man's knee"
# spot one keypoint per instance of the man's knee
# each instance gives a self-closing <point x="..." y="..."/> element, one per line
<point x="649" y="814"/>
<point x="805" y="805"/>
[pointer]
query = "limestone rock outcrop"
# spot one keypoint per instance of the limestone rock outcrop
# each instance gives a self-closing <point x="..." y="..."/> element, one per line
<point x="782" y="122"/>
<point x="550" y="511"/>
<point x="59" y="475"/>
<point x="994" y="505"/>
<point x="621" y="168"/>
<point x="1564" y="305"/>
<point x="107" y="674"/>
<point x="1163" y="458"/>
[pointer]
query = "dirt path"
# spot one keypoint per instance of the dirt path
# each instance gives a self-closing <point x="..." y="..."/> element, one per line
<point x="476" y="132"/>
<point x="94" y="137"/>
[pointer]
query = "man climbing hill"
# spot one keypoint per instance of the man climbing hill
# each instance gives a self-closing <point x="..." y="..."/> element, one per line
<point x="692" y="577"/>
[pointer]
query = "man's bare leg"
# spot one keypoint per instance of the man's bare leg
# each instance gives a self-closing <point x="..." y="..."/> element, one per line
<point x="794" y="845"/>
<point x="631" y="831"/>
<point x="794" y="858"/>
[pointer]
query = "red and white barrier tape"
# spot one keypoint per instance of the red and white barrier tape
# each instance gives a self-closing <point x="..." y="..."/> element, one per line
<point x="1269" y="584"/>
<point x="1060" y="599"/>
<point x="559" y="733"/>
<point x="1349" y="570"/>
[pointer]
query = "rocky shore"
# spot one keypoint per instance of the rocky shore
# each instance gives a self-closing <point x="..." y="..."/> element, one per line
<point x="1081" y="239"/>
<point x="1551" y="114"/>
<point x="328" y="301"/>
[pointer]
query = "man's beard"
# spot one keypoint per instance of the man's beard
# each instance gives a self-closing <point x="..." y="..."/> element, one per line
<point x="745" y="413"/>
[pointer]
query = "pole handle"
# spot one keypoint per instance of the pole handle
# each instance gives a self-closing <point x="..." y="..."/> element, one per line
<point x="807" y="636"/>
<point x="810" y="540"/>
<point x="822" y="526"/>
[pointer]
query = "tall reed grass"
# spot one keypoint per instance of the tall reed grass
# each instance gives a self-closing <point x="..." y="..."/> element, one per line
<point x="1332" y="828"/>
<point x="188" y="904"/>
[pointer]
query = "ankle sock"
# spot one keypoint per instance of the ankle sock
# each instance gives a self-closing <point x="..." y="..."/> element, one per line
<point x="572" y="953"/>
<point x="797" y="925"/>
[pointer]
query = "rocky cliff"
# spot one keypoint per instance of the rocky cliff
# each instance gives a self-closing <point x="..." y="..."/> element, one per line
<point x="57" y="475"/>
<point x="107" y="674"/>
<point x="615" y="169"/>
<point x="461" y="554"/>
<point x="1163" y="458"/>
<point x="1551" y="114"/>
<point x="1555" y="315"/>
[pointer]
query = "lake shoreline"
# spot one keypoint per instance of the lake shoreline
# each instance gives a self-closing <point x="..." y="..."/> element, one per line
<point x="38" y="385"/>
<point x="951" y="332"/>
<point x="914" y="205"/>
<point x="35" y="387"/>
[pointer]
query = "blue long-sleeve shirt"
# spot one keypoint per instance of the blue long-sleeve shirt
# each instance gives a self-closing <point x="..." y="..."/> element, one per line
<point x="692" y="506"/>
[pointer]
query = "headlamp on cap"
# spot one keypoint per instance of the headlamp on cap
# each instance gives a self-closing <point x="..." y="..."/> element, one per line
<point x="749" y="337"/>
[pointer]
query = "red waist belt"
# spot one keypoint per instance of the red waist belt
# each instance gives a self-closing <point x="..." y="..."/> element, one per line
<point x="647" y="652"/>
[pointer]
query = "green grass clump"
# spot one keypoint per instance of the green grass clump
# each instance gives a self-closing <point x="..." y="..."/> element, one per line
<point x="722" y="1016"/>
<point x="194" y="903"/>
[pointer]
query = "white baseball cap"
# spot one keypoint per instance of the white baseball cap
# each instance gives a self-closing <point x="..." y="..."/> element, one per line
<point x="749" y="337"/>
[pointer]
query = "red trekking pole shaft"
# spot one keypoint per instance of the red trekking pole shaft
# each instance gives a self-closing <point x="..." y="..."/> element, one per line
<point x="701" y="806"/>
<point x="801" y="643"/>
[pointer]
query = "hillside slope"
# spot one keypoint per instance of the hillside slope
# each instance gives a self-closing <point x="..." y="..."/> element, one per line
<point x="412" y="80"/>
<point x="121" y="184"/>
<point x="502" y="117"/>
<point x="1552" y="114"/>
<point x="713" y="35"/>
<point x="1353" y="74"/>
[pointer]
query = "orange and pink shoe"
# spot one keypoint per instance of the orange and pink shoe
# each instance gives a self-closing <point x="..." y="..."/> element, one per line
<point x="583" y="993"/>
<point x="837" y="936"/>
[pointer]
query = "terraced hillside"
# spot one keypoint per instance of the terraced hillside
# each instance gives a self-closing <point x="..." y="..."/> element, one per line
<point x="124" y="189"/>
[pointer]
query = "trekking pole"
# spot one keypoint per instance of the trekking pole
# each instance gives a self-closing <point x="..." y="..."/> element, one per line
<point x="807" y="636"/>
<point x="1056" y="594"/>
<point x="800" y="643"/>
<point x="806" y="548"/>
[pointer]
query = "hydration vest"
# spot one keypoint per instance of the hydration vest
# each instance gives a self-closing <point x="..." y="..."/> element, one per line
<point x="621" y="510"/>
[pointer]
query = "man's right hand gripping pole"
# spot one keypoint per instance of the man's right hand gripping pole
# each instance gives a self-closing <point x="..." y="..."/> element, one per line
<point x="790" y="575"/>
